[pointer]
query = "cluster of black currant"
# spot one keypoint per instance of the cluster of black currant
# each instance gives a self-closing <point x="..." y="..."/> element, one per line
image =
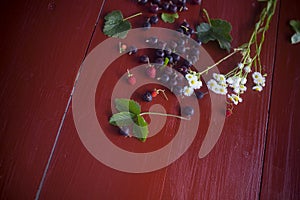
<point x="169" y="67"/>
<point x="170" y="6"/>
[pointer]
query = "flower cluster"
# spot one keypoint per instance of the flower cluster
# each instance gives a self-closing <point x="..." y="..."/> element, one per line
<point x="218" y="84"/>
<point x="235" y="81"/>
<point x="259" y="80"/>
<point x="194" y="83"/>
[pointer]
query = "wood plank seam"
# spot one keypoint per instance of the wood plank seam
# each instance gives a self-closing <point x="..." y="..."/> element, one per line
<point x="270" y="101"/>
<point x="66" y="109"/>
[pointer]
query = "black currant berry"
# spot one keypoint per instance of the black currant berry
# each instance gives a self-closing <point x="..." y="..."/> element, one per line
<point x="142" y="1"/>
<point x="165" y="6"/>
<point x="188" y="111"/>
<point x="168" y="51"/>
<point x="177" y="90"/>
<point x="173" y="8"/>
<point x="176" y="57"/>
<point x="199" y="94"/>
<point x="159" y="53"/>
<point x="147" y="97"/>
<point x="132" y="50"/>
<point x="164" y="78"/>
<point x="147" y="25"/>
<point x="153" y="19"/>
<point x="144" y="59"/>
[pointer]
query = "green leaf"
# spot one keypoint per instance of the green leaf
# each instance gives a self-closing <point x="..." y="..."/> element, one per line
<point x="169" y="18"/>
<point x="127" y="105"/>
<point x="166" y="61"/>
<point x="140" y="128"/>
<point x="295" y="38"/>
<point x="115" y="25"/>
<point x="217" y="30"/>
<point x="122" y="119"/>
<point x="296" y="26"/>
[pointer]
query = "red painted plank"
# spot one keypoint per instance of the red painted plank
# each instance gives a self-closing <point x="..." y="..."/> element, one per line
<point x="42" y="46"/>
<point x="231" y="171"/>
<point x="281" y="175"/>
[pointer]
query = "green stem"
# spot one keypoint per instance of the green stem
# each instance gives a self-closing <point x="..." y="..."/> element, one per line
<point x="207" y="16"/>
<point x="163" y="114"/>
<point x="217" y="63"/>
<point x="132" y="16"/>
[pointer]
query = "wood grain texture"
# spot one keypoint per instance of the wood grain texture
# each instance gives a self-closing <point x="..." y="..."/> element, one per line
<point x="42" y="46"/>
<point x="281" y="175"/>
<point x="231" y="171"/>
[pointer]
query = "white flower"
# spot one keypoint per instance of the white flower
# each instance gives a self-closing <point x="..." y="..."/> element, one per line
<point x="258" y="79"/>
<point x="220" y="78"/>
<point x="247" y="69"/>
<point x="240" y="65"/>
<point x="191" y="77"/>
<point x="256" y="75"/>
<point x="215" y="76"/>
<point x="235" y="98"/>
<point x="222" y="90"/>
<point x="216" y="89"/>
<point x="243" y="88"/>
<point x="230" y="80"/>
<point x="240" y="89"/>
<point x="236" y="89"/>
<point x="243" y="81"/>
<point x="211" y="83"/>
<point x="195" y="84"/>
<point x="188" y="91"/>
<point x="234" y="81"/>
<point x="257" y="88"/>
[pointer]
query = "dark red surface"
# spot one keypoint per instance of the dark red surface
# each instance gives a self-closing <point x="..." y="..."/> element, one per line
<point x="41" y="50"/>
<point x="281" y="175"/>
<point x="42" y="47"/>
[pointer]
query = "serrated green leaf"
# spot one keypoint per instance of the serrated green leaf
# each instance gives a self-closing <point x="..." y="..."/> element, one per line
<point x="217" y="30"/>
<point x="140" y="128"/>
<point x="296" y="25"/>
<point x="295" y="38"/>
<point x="169" y="18"/>
<point x="122" y="119"/>
<point x="115" y="25"/>
<point x="127" y="105"/>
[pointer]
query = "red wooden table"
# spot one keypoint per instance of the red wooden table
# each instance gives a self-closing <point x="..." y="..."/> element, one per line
<point x="43" y="44"/>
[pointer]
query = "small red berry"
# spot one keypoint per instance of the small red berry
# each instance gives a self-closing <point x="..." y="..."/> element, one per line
<point x="131" y="80"/>
<point x="151" y="72"/>
<point x="228" y="112"/>
<point x="122" y="47"/>
<point x="154" y="93"/>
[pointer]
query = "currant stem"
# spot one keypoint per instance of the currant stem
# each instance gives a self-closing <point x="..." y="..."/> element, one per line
<point x="207" y="16"/>
<point x="163" y="114"/>
<point x="132" y="16"/>
<point x="128" y="73"/>
<point x="217" y="63"/>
